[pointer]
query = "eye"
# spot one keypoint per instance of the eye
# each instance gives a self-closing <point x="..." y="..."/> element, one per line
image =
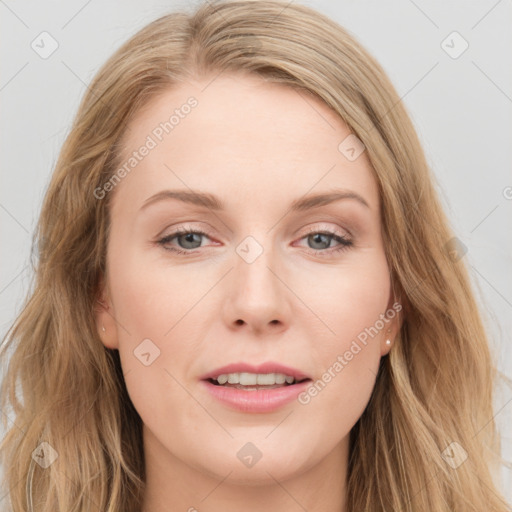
<point x="190" y="239"/>
<point x="322" y="238"/>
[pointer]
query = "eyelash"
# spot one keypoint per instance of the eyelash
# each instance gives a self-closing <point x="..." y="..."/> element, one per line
<point x="344" y="242"/>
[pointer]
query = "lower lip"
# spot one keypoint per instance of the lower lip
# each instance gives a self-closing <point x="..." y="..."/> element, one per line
<point x="263" y="400"/>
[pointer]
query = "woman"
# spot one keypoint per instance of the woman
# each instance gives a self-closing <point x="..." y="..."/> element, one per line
<point x="317" y="347"/>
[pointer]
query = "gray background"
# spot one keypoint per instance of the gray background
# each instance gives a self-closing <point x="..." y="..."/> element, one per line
<point x="460" y="106"/>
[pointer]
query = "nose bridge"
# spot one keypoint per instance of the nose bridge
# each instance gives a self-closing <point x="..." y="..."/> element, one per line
<point x="257" y="296"/>
<point x="255" y="259"/>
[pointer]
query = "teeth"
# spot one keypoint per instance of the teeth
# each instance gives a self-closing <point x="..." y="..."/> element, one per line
<point x="268" y="379"/>
<point x="252" y="379"/>
<point x="280" y="378"/>
<point x="222" y="379"/>
<point x="248" y="379"/>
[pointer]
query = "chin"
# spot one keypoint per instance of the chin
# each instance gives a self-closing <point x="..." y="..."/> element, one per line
<point x="262" y="474"/>
<point x="254" y="463"/>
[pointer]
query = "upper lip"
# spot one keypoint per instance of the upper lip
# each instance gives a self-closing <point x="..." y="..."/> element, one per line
<point x="269" y="367"/>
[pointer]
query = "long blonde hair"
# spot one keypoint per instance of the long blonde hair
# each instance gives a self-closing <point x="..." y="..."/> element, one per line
<point x="433" y="397"/>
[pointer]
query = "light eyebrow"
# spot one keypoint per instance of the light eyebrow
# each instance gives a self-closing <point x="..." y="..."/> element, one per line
<point x="314" y="201"/>
<point x="212" y="202"/>
<point x="187" y="196"/>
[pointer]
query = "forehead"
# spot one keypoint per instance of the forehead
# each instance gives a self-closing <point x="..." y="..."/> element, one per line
<point x="234" y="133"/>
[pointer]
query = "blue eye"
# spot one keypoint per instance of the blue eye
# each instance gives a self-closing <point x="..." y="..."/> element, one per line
<point x="325" y="237"/>
<point x="193" y="237"/>
<point x="182" y="234"/>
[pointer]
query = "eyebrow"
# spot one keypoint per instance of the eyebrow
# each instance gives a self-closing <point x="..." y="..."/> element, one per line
<point x="212" y="202"/>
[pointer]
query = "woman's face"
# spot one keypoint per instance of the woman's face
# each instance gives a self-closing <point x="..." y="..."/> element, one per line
<point x="267" y="277"/>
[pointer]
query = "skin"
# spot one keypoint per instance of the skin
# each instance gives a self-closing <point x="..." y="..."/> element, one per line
<point x="257" y="146"/>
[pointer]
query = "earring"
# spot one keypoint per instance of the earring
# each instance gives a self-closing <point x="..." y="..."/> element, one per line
<point x="388" y="342"/>
<point x="103" y="328"/>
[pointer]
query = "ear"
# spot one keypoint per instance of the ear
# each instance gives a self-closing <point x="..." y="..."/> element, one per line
<point x="105" y="319"/>
<point x="394" y="316"/>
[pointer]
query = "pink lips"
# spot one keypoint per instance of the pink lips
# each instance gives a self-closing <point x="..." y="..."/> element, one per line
<point x="260" y="400"/>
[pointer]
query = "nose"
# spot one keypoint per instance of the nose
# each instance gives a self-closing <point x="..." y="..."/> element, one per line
<point x="257" y="297"/>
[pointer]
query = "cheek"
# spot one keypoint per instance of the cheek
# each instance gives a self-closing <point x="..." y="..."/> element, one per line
<point x="347" y="299"/>
<point x="348" y="353"/>
<point x="154" y="312"/>
<point x="153" y="308"/>
<point x="151" y="298"/>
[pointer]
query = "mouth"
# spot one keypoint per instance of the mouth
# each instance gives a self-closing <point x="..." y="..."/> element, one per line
<point x="263" y="388"/>
<point x="255" y="393"/>
<point x="255" y="381"/>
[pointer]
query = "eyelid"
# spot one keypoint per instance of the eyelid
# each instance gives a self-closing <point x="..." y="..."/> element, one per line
<point x="345" y="233"/>
<point x="183" y="228"/>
